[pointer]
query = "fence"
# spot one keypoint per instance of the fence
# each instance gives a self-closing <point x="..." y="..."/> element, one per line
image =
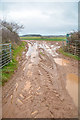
<point x="5" y="54"/>
<point x="72" y="47"/>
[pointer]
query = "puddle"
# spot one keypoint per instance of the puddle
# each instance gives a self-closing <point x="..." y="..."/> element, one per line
<point x="52" y="46"/>
<point x="33" y="53"/>
<point x="30" y="49"/>
<point x="50" y="49"/>
<point x="61" y="61"/>
<point x="72" y="87"/>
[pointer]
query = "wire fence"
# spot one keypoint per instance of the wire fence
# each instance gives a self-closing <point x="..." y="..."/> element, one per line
<point x="5" y="54"/>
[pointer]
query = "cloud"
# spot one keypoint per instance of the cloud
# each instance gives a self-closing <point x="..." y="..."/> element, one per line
<point x="40" y="0"/>
<point x="43" y="17"/>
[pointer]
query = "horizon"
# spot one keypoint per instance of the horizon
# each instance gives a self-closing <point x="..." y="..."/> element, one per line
<point x="43" y="34"/>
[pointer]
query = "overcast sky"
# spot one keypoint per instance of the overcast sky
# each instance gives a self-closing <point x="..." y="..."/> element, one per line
<point x="47" y="18"/>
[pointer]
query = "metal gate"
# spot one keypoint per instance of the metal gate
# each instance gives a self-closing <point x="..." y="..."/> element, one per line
<point x="5" y="54"/>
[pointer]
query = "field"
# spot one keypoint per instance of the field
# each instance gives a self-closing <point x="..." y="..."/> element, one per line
<point x="44" y="38"/>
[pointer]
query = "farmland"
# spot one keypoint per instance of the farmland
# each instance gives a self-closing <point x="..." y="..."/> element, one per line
<point x="44" y="38"/>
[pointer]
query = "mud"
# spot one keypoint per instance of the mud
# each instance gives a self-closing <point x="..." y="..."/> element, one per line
<point x="42" y="87"/>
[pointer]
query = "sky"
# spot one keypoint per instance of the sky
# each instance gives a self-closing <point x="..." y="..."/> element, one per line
<point x="46" y="18"/>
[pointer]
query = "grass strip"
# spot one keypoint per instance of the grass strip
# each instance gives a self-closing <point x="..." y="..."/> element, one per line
<point x="69" y="54"/>
<point x="8" y="70"/>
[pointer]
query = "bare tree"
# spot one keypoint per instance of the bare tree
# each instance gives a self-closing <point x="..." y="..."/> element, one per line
<point x="10" y="31"/>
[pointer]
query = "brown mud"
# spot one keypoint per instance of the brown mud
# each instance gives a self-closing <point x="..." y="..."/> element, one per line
<point x="44" y="86"/>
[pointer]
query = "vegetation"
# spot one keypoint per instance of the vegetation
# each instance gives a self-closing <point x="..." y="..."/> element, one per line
<point x="69" y="54"/>
<point x="44" y="38"/>
<point x="8" y="70"/>
<point x="74" y="36"/>
<point x="42" y="54"/>
<point x="73" y="44"/>
<point x="10" y="32"/>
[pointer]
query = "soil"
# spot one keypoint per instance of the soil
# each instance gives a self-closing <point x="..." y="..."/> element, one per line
<point x="44" y="86"/>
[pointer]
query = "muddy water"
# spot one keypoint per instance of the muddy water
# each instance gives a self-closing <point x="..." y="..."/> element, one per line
<point x="71" y="82"/>
<point x="61" y="61"/>
<point x="72" y="86"/>
<point x="72" y="79"/>
<point x="50" y="49"/>
<point x="33" y="53"/>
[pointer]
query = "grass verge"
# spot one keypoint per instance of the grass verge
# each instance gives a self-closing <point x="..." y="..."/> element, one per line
<point x="8" y="70"/>
<point x="69" y="54"/>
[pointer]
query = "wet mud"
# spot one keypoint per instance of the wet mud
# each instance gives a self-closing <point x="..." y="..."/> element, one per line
<point x="44" y="86"/>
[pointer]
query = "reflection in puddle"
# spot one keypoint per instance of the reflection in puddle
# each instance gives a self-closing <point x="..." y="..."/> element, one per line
<point x="72" y="87"/>
<point x="29" y="50"/>
<point x="61" y="61"/>
<point x="33" y="53"/>
<point x="50" y="49"/>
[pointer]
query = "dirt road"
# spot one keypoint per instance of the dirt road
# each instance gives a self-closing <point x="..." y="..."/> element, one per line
<point x="44" y="86"/>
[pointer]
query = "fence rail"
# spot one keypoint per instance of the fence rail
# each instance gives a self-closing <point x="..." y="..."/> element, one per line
<point x="5" y="54"/>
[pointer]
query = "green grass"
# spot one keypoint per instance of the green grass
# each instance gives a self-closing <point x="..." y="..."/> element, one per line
<point x="8" y="70"/>
<point x="42" y="54"/>
<point x="69" y="54"/>
<point x="39" y="38"/>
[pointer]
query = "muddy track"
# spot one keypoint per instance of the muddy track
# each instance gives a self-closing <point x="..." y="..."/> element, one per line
<point x="38" y="88"/>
